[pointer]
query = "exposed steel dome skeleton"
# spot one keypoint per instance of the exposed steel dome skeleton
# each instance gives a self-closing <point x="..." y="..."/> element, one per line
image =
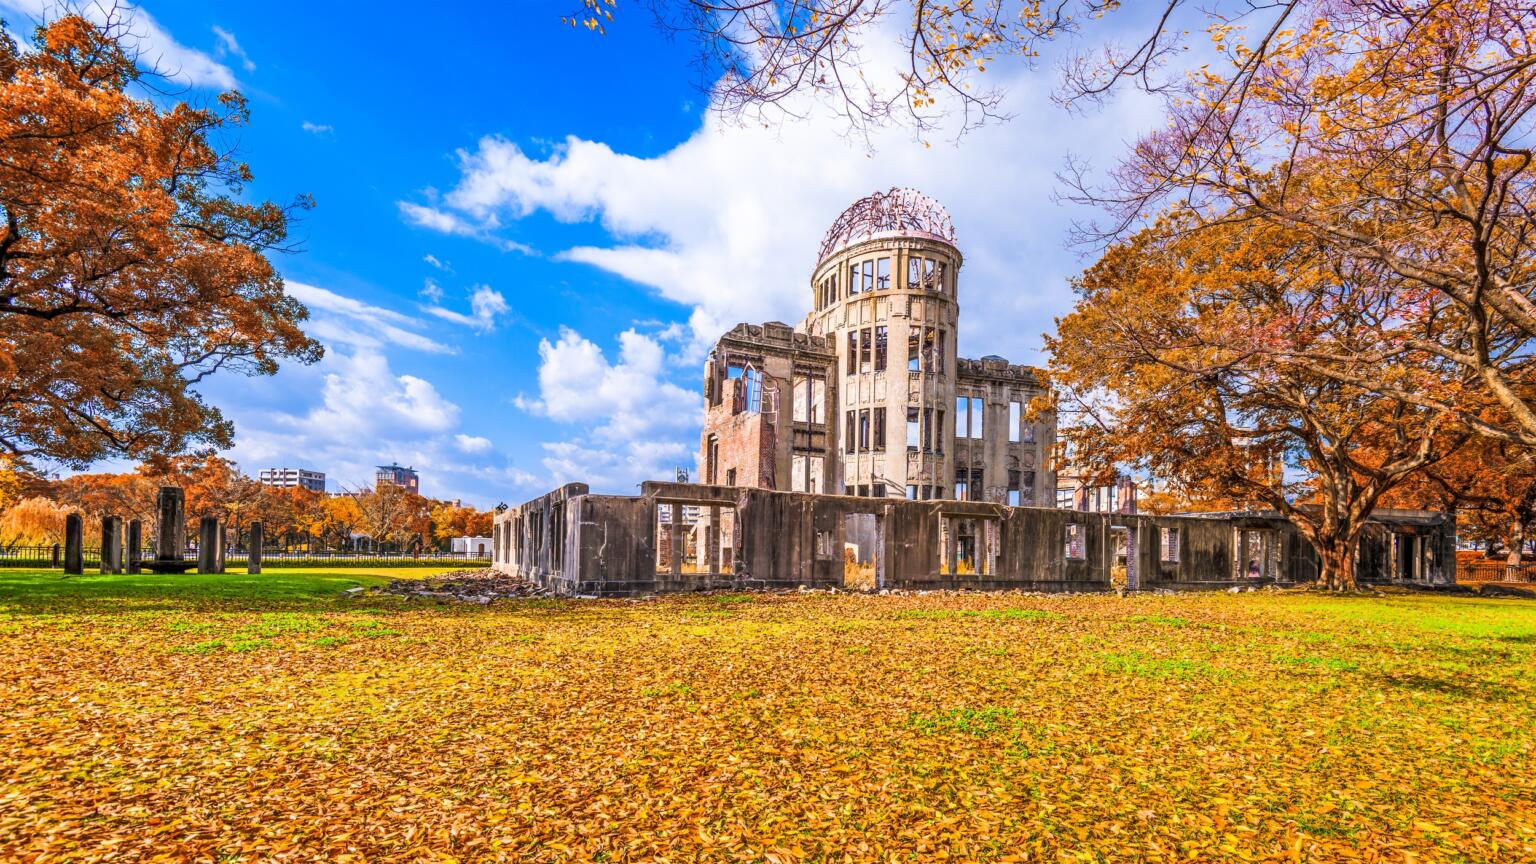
<point x="895" y="211"/>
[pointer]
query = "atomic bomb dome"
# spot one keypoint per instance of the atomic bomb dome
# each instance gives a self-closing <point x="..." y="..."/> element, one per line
<point x="868" y="396"/>
<point x="895" y="211"/>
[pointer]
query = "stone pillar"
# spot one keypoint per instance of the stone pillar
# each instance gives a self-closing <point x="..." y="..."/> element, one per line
<point x="171" y="536"/>
<point x="74" y="543"/>
<point x="111" y="544"/>
<point x="253" y="550"/>
<point x="135" y="546"/>
<point x="208" y="545"/>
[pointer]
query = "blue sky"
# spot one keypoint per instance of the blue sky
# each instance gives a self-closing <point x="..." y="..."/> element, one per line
<point x="527" y="236"/>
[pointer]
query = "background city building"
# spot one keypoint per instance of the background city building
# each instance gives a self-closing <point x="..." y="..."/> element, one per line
<point x="398" y="476"/>
<point x="303" y="478"/>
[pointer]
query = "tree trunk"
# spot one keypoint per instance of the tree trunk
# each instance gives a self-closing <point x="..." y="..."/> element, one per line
<point x="1516" y="547"/>
<point x="1337" y="565"/>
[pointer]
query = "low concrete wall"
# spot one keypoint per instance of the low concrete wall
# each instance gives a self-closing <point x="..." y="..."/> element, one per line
<point x="692" y="537"/>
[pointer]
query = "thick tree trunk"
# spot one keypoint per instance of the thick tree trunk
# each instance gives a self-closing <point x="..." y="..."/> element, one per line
<point x="1336" y="558"/>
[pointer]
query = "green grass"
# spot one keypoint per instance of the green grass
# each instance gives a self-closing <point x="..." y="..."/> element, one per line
<point x="274" y="588"/>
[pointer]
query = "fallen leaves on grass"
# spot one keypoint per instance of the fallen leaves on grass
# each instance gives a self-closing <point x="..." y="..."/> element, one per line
<point x="774" y="728"/>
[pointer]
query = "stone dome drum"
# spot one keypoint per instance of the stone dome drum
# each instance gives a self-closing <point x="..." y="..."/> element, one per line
<point x="896" y="211"/>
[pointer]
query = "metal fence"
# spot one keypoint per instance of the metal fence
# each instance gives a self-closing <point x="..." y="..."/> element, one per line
<point x="52" y="557"/>
<point x="1494" y="570"/>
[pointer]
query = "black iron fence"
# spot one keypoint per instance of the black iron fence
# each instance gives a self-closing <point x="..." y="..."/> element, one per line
<point x="1494" y="570"/>
<point x="52" y="557"/>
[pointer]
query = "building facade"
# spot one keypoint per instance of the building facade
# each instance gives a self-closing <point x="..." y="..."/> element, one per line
<point x="397" y="476"/>
<point x="868" y="395"/>
<point x="284" y="478"/>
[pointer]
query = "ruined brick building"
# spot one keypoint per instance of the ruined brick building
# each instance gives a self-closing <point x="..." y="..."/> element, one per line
<point x="859" y="450"/>
<point x="868" y="396"/>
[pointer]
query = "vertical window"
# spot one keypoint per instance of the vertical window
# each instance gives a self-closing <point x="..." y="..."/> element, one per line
<point x="1074" y="544"/>
<point x="913" y="432"/>
<point x="848" y="433"/>
<point x="881" y="338"/>
<point x="712" y="460"/>
<point x="752" y="392"/>
<point x="864" y="429"/>
<point x="1170" y="544"/>
<point x="797" y="473"/>
<point x="879" y="429"/>
<point x="1013" y="498"/>
<point x="853" y="279"/>
<point x="882" y="274"/>
<point x="865" y="347"/>
<point x="913" y="363"/>
<point x="730" y="476"/>
<point x="818" y="400"/>
<point x="877" y="490"/>
<point x="911" y="492"/>
<point x="962" y="484"/>
<point x="928" y="364"/>
<point x="914" y="272"/>
<point x="813" y="482"/>
<point x="802" y="408"/>
<point x="978" y="408"/>
<point x="936" y="283"/>
<point x="1014" y="416"/>
<point x="928" y="430"/>
<point x="853" y="351"/>
<point x="939" y="431"/>
<point x="962" y="416"/>
<point x="938" y="359"/>
<point x="867" y="274"/>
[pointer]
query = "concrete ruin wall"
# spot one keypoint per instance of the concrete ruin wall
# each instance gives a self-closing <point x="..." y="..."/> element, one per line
<point x="576" y="543"/>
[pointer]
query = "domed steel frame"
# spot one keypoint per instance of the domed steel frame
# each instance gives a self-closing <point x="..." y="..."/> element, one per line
<point x="897" y="210"/>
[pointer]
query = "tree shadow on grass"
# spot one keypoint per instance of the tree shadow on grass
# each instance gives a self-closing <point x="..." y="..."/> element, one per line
<point x="1466" y="688"/>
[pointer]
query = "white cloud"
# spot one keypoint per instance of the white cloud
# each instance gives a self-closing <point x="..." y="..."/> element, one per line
<point x="431" y="290"/>
<point x="317" y="128"/>
<point x="632" y="397"/>
<point x="363" y="396"/>
<point x="156" y="47"/>
<point x="445" y="222"/>
<point x="472" y="443"/>
<point x="352" y="322"/>
<point x="485" y="305"/>
<point x="229" y="45"/>
<point x="440" y="265"/>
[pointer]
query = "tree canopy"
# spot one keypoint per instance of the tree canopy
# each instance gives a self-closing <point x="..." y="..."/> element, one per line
<point x="131" y="266"/>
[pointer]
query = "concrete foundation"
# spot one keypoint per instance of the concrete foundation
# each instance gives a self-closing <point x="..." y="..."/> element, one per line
<point x="692" y="537"/>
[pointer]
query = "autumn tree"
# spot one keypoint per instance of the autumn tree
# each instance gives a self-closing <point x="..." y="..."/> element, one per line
<point x="1490" y="485"/>
<point x="1395" y="133"/>
<point x="33" y="521"/>
<point x="131" y="267"/>
<point x="394" y="514"/>
<point x="1176" y="359"/>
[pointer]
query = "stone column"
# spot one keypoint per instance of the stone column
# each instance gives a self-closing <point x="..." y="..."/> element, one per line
<point x="111" y="544"/>
<point x="135" y="546"/>
<point x="253" y="550"/>
<point x="171" y="536"/>
<point x="74" y="543"/>
<point x="208" y="545"/>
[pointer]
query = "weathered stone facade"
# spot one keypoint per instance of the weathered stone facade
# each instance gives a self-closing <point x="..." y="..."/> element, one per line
<point x="689" y="537"/>
<point x="868" y="395"/>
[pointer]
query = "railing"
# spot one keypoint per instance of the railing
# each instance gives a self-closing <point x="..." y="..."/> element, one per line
<point x="1494" y="570"/>
<point x="52" y="557"/>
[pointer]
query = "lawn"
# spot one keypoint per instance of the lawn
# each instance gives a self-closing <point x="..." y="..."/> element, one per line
<point x="251" y="718"/>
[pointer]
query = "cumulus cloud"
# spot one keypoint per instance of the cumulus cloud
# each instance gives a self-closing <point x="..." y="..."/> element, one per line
<point x="317" y="128"/>
<point x="230" y="46"/>
<point x="632" y="397"/>
<point x="431" y="290"/>
<point x="157" y="48"/>
<point x="472" y="443"/>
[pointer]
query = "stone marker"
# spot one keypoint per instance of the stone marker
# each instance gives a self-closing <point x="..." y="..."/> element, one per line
<point x="253" y="554"/>
<point x="171" y="532"/>
<point x="74" y="537"/>
<point x="135" y="546"/>
<point x="111" y="544"/>
<point x="208" y="545"/>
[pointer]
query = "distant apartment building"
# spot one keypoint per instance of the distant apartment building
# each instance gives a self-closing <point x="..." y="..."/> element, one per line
<point x="287" y="478"/>
<point x="398" y="476"/>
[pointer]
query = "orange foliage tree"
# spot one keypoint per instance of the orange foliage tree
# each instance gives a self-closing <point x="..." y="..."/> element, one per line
<point x="1175" y="356"/>
<point x="1396" y="134"/>
<point x="130" y="268"/>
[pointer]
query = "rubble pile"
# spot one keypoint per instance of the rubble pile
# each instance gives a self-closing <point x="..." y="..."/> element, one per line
<point x="464" y="586"/>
